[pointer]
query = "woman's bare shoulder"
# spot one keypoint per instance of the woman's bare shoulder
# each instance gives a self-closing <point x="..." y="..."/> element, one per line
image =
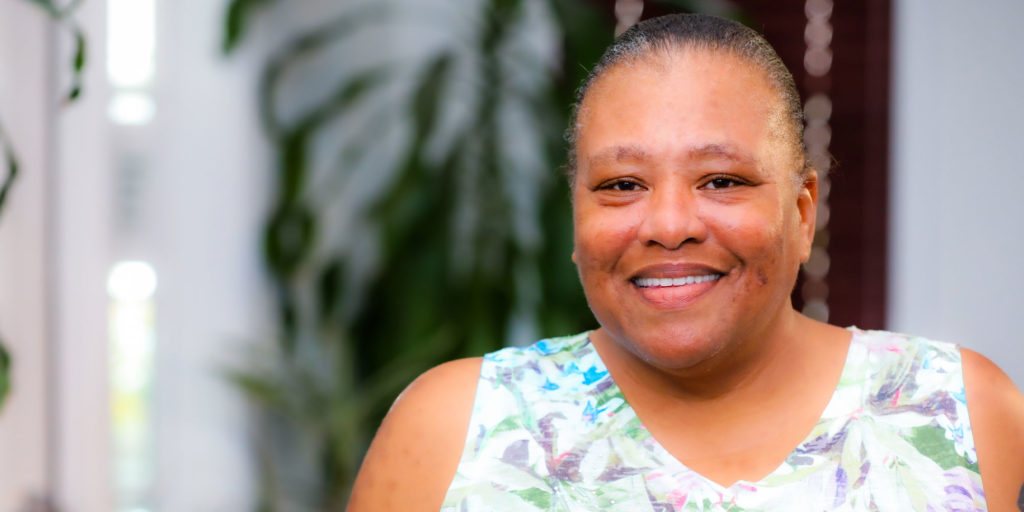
<point x="996" y="408"/>
<point x="417" y="449"/>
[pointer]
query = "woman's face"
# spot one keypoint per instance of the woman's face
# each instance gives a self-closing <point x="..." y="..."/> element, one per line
<point x="690" y="222"/>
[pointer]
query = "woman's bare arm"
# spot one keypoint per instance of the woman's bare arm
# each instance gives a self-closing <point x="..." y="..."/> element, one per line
<point x="417" y="449"/>
<point x="996" y="408"/>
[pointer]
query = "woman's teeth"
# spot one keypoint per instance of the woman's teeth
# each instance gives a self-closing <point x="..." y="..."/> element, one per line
<point x="652" y="282"/>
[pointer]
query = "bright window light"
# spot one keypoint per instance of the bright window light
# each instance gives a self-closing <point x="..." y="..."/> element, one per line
<point x="131" y="42"/>
<point x="132" y="331"/>
<point x="131" y="281"/>
<point x="131" y="108"/>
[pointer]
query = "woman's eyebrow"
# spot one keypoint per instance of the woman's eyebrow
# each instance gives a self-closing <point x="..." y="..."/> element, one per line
<point x="618" y="154"/>
<point x="724" y="151"/>
<point x="632" y="153"/>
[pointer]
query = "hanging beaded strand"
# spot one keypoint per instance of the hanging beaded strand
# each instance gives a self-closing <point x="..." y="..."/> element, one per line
<point x="627" y="14"/>
<point x="817" y="137"/>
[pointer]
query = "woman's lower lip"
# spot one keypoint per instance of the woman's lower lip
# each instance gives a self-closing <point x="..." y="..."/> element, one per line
<point x="674" y="297"/>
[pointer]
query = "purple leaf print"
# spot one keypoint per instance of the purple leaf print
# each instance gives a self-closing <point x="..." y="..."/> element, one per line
<point x="824" y="444"/>
<point x="864" y="469"/>
<point x="567" y="467"/>
<point x="617" y="472"/>
<point x="841" y="486"/>
<point x="517" y="454"/>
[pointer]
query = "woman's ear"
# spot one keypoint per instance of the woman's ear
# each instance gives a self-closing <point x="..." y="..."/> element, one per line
<point x="574" y="257"/>
<point x="807" y="206"/>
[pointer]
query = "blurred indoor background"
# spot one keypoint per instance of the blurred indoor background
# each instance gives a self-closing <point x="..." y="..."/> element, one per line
<point x="239" y="227"/>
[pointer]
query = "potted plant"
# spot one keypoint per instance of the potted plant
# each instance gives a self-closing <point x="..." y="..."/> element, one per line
<point x="437" y="226"/>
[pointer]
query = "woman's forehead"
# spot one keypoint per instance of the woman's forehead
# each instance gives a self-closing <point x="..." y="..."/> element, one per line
<point x="690" y="93"/>
<point x="706" y="63"/>
<point x="695" y="103"/>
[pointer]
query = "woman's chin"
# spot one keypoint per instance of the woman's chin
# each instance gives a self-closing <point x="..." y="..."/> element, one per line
<point x="675" y="351"/>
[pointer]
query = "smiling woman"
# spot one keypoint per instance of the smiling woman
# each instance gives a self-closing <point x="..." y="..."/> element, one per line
<point x="703" y="388"/>
<point x="696" y="188"/>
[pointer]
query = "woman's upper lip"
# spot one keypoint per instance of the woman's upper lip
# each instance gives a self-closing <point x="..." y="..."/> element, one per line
<point x="672" y="270"/>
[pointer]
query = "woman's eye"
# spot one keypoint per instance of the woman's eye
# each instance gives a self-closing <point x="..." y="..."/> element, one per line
<point x="718" y="183"/>
<point x="622" y="186"/>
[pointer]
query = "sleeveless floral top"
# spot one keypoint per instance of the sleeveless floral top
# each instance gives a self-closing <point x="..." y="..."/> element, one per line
<point x="551" y="431"/>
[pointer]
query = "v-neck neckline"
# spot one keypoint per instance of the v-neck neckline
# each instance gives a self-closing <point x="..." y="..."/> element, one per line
<point x="827" y="415"/>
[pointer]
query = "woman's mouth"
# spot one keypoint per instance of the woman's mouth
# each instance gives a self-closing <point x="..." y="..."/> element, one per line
<point x="663" y="282"/>
<point x="677" y="292"/>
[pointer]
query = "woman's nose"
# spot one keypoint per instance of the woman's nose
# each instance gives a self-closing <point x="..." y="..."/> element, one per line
<point x="672" y="219"/>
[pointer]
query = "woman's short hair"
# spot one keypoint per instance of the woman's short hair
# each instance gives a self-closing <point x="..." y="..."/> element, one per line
<point x="697" y="32"/>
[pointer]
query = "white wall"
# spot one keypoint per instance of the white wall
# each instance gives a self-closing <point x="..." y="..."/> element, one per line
<point x="957" y="204"/>
<point x="79" y="200"/>
<point x="205" y="194"/>
<point x="24" y="86"/>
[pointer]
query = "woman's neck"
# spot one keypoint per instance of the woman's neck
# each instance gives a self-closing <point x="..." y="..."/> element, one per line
<point x="785" y="353"/>
<point x="714" y="419"/>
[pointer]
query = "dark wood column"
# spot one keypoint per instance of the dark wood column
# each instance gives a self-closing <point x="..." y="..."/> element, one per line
<point x="858" y="86"/>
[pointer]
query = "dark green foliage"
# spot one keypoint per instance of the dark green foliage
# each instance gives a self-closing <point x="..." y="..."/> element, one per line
<point x="77" y="63"/>
<point x="238" y="12"/>
<point x="11" y="161"/>
<point x="49" y="6"/>
<point x="461" y="261"/>
<point x="342" y="359"/>
<point x="5" y="367"/>
<point x="65" y="16"/>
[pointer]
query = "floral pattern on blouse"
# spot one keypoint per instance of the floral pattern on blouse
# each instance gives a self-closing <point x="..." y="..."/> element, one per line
<point x="551" y="431"/>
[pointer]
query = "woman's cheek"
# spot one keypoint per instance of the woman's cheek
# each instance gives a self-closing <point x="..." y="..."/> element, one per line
<point x="748" y="223"/>
<point x="619" y="228"/>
